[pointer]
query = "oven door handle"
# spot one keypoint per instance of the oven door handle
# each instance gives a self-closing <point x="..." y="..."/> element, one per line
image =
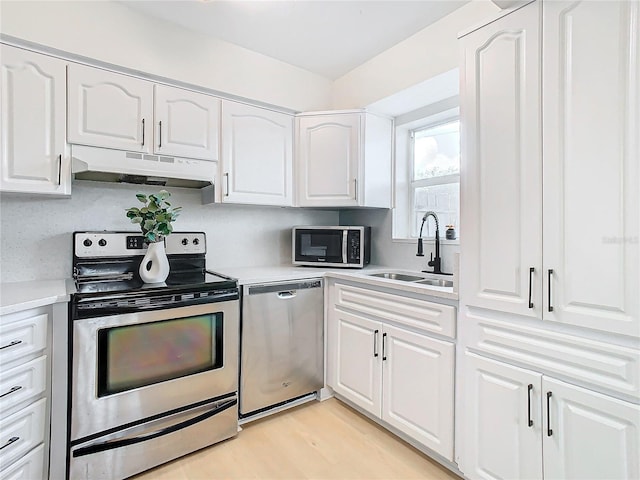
<point x="111" y="444"/>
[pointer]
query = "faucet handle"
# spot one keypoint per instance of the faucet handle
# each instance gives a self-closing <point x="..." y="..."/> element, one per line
<point x="430" y="262"/>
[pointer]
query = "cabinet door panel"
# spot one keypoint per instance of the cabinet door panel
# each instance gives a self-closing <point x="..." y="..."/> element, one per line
<point x="501" y="214"/>
<point x="109" y="110"/>
<point x="418" y="388"/>
<point x="499" y="443"/>
<point x="593" y="436"/>
<point x="591" y="165"/>
<point x="257" y="155"/>
<point x="32" y="126"/>
<point x="329" y="156"/>
<point x="358" y="374"/>
<point x="190" y="123"/>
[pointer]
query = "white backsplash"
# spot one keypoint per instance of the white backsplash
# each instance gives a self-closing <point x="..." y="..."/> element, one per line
<point x="35" y="232"/>
<point x="397" y="254"/>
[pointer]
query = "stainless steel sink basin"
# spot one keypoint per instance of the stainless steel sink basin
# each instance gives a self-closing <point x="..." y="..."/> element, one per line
<point x="406" y="277"/>
<point x="397" y="276"/>
<point x="436" y="282"/>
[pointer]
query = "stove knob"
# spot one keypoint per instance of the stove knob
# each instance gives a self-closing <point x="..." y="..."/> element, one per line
<point x="87" y="242"/>
<point x="185" y="241"/>
<point x="196" y="241"/>
<point x="102" y="242"/>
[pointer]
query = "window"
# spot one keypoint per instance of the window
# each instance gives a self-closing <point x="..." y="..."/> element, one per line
<point x="435" y="176"/>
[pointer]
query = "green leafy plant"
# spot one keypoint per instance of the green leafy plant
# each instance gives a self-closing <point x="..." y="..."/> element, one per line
<point x="155" y="217"/>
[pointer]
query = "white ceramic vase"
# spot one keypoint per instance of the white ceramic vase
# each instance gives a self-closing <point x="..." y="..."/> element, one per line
<point x="155" y="264"/>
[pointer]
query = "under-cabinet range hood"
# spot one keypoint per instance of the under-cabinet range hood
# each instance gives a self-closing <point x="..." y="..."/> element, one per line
<point x="106" y="165"/>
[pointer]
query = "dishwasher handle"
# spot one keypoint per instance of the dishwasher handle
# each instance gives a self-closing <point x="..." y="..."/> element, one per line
<point x="284" y="290"/>
<point x="287" y="295"/>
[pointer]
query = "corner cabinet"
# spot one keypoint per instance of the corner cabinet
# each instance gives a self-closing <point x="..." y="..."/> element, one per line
<point x="584" y="107"/>
<point x="34" y="153"/>
<point x="113" y="110"/>
<point x="523" y="424"/>
<point x="344" y="159"/>
<point x="381" y="360"/>
<point x="257" y="155"/>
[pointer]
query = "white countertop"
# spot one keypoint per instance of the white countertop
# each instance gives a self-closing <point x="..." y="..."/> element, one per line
<point x="19" y="296"/>
<point x="251" y="275"/>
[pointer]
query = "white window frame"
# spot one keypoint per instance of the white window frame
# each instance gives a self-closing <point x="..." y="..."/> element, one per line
<point x="403" y="211"/>
<point x="426" y="182"/>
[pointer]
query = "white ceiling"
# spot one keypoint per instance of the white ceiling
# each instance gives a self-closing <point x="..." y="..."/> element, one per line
<point x="326" y="37"/>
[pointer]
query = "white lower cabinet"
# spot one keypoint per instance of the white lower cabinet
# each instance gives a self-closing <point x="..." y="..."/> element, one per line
<point x="25" y="369"/>
<point x="521" y="424"/>
<point x="403" y="377"/>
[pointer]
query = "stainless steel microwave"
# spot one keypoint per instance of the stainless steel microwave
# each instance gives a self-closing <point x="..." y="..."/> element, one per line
<point x="342" y="246"/>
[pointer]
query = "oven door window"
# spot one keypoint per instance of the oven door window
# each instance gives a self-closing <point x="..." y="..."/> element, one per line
<point x="319" y="245"/>
<point x="133" y="356"/>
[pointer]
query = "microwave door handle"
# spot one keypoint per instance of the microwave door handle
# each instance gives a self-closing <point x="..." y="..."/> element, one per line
<point x="111" y="444"/>
<point x="345" y="260"/>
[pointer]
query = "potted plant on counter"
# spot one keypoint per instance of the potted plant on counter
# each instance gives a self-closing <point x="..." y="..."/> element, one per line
<point x="155" y="219"/>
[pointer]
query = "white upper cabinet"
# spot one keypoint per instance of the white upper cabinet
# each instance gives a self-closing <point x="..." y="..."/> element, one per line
<point x="117" y="111"/>
<point x="109" y="110"/>
<point x="32" y="124"/>
<point x="344" y="159"/>
<point x="501" y="216"/>
<point x="186" y="123"/>
<point x="576" y="120"/>
<point x="257" y="155"/>
<point x="591" y="91"/>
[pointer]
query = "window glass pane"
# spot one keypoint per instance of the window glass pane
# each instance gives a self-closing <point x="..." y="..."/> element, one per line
<point x="444" y="200"/>
<point x="437" y="151"/>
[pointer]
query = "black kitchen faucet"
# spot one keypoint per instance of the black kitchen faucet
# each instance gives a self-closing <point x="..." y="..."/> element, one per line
<point x="433" y="262"/>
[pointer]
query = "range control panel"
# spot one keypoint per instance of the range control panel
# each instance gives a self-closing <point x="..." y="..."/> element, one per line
<point x="126" y="244"/>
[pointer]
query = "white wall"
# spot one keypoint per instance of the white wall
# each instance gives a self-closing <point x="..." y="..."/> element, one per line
<point x="35" y="232"/>
<point x="110" y="32"/>
<point x="430" y="52"/>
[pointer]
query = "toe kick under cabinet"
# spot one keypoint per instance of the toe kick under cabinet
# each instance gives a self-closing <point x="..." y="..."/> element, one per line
<point x="24" y="387"/>
<point x="391" y="354"/>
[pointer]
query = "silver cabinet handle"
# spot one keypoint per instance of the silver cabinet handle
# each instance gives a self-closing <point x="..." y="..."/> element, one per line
<point x="226" y="182"/>
<point x="11" y="344"/>
<point x="355" y="188"/>
<point x="143" y="132"/>
<point x="11" y="390"/>
<point x="160" y="134"/>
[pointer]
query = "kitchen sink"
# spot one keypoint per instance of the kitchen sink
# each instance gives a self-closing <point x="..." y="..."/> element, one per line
<point x="436" y="282"/>
<point x="397" y="276"/>
<point x="406" y="277"/>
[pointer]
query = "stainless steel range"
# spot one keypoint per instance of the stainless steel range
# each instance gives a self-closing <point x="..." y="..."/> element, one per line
<point x="154" y="368"/>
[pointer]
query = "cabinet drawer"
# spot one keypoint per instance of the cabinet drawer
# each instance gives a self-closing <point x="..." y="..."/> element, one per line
<point x="21" y="337"/>
<point x="592" y="363"/>
<point x="409" y="311"/>
<point x="22" y="383"/>
<point x="29" y="467"/>
<point x="21" y="431"/>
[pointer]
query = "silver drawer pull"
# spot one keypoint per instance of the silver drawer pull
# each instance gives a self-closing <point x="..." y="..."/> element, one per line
<point x="15" y="342"/>
<point x="13" y="389"/>
<point x="9" y="442"/>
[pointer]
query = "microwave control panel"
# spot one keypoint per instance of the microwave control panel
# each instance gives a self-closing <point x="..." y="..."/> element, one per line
<point x="353" y="246"/>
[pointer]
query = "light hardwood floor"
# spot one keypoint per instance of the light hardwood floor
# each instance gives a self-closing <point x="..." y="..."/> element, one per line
<point x="317" y="440"/>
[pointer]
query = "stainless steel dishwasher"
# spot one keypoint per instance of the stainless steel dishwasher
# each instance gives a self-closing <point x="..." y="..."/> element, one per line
<point x="282" y="355"/>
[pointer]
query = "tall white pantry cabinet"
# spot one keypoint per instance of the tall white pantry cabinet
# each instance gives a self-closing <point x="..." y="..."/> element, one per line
<point x="550" y="264"/>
